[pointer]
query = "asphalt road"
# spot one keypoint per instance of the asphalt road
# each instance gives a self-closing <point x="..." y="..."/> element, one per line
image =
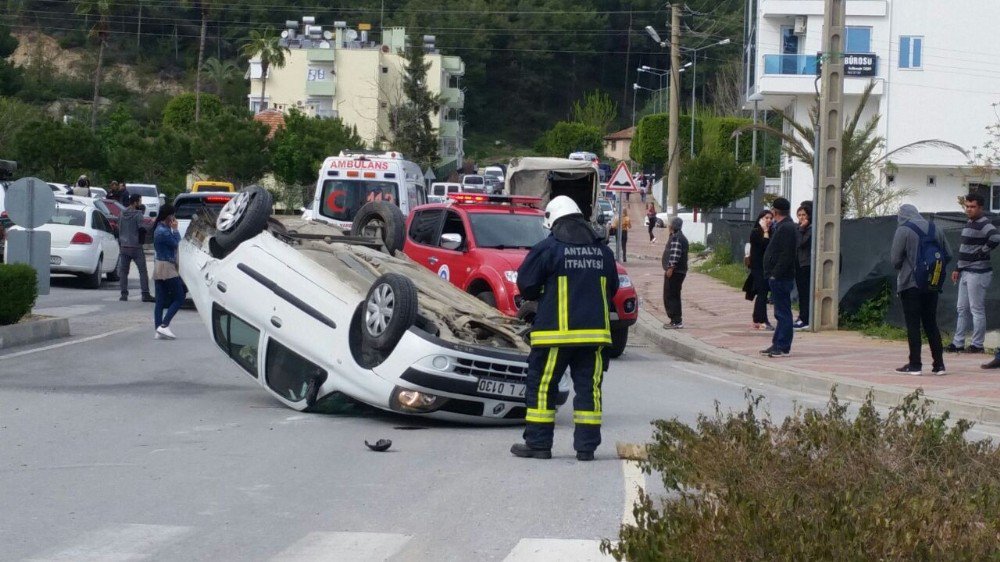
<point x="117" y="446"/>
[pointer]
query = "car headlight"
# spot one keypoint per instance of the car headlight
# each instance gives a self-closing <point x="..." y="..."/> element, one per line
<point x="414" y="401"/>
<point x="624" y="281"/>
<point x="511" y="276"/>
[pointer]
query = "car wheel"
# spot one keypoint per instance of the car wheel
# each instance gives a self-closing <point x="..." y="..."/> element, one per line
<point x="659" y="223"/>
<point x="390" y="310"/>
<point x="382" y="220"/>
<point x="243" y="217"/>
<point x="619" y="337"/>
<point x="488" y="297"/>
<point x="527" y="311"/>
<point x="93" y="280"/>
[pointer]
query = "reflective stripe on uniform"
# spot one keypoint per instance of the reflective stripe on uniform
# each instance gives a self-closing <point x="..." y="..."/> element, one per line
<point x="587" y="417"/>
<point x="540" y="416"/>
<point x="563" y="294"/>
<point x="604" y="296"/>
<point x="566" y="337"/>
<point x="543" y="386"/>
<point x="598" y="375"/>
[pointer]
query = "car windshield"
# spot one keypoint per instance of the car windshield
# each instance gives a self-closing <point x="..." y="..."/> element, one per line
<point x="71" y="217"/>
<point x="343" y="198"/>
<point x="605" y="204"/>
<point x="213" y="188"/>
<point x="474" y="180"/>
<point x="504" y="230"/>
<point x="144" y="190"/>
<point x="188" y="207"/>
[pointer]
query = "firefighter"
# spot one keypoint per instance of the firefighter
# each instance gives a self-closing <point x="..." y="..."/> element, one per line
<point x="573" y="276"/>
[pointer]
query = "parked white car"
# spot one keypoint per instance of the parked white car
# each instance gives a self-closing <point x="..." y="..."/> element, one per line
<point x="83" y="242"/>
<point x="473" y="183"/>
<point x="309" y="313"/>
<point x="151" y="197"/>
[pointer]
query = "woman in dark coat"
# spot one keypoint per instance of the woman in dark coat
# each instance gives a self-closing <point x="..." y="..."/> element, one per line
<point x="759" y="238"/>
<point x="803" y="252"/>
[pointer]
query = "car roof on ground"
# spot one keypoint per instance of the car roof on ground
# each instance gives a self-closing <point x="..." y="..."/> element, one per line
<point x="204" y="194"/>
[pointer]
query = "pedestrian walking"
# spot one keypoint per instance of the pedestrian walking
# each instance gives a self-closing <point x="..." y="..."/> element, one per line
<point x="780" y="261"/>
<point x="642" y="193"/>
<point x="169" y="287"/>
<point x="130" y="237"/>
<point x="675" y="268"/>
<point x="119" y="193"/>
<point x="760" y="236"/>
<point x="973" y="273"/>
<point x="803" y="251"/>
<point x="573" y="276"/>
<point x="623" y="227"/>
<point x="918" y="283"/>
<point x="651" y="220"/>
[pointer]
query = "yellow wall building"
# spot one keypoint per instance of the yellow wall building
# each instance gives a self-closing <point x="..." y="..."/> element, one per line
<point x="341" y="72"/>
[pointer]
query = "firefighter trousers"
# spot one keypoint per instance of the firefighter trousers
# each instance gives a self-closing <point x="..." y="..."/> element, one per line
<point x="546" y="366"/>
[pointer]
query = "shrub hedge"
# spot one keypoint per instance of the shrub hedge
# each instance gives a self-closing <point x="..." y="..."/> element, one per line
<point x="821" y="485"/>
<point x="18" y="287"/>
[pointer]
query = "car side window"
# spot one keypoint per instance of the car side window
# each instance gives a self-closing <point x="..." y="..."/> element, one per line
<point x="424" y="227"/>
<point x="453" y="225"/>
<point x="288" y="374"/>
<point x="99" y="222"/>
<point x="237" y="338"/>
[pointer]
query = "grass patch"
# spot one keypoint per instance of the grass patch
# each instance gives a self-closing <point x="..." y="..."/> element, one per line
<point x="869" y="319"/>
<point x="720" y="266"/>
<point x="822" y="484"/>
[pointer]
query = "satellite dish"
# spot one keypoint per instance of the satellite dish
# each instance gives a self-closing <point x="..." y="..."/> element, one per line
<point x="352" y="35"/>
<point x="284" y="34"/>
<point x="324" y="44"/>
<point x="327" y="35"/>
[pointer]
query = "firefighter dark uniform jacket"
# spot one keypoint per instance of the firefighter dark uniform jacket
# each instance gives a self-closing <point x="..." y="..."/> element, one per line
<point x="573" y="276"/>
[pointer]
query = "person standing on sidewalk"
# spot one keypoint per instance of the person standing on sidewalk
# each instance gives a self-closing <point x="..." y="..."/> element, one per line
<point x="130" y="237"/>
<point x="623" y="225"/>
<point x="675" y="268"/>
<point x="973" y="273"/>
<point x="573" y="276"/>
<point x="780" y="262"/>
<point x="916" y="292"/>
<point x="169" y="287"/>
<point x="760" y="236"/>
<point x="651" y="220"/>
<point x="803" y="251"/>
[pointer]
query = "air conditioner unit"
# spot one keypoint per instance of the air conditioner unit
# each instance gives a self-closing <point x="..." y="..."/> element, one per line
<point x="800" y="25"/>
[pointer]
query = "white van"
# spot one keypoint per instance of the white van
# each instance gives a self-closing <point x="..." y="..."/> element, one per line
<point x="441" y="189"/>
<point x="348" y="181"/>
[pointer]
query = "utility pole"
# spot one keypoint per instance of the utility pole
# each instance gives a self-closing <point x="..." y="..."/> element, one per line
<point x="673" y="152"/>
<point x="827" y="160"/>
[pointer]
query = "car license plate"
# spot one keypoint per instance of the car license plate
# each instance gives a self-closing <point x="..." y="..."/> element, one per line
<point x="500" y="388"/>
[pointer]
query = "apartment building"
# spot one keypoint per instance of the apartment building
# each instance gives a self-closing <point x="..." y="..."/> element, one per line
<point x="936" y="73"/>
<point x="343" y="72"/>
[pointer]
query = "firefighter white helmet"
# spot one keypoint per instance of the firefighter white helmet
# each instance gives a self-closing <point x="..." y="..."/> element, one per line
<point x="558" y="208"/>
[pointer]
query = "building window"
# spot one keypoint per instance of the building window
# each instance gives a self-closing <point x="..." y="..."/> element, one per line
<point x="859" y="40"/>
<point x="385" y="70"/>
<point x="911" y="51"/>
<point x="453" y="82"/>
<point x="614" y="145"/>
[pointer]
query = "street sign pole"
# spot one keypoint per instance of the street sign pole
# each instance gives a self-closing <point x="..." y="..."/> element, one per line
<point x="618" y="233"/>
<point x="30" y="204"/>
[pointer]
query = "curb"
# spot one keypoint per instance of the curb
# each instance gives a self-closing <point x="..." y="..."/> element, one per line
<point x="744" y="369"/>
<point x="43" y="329"/>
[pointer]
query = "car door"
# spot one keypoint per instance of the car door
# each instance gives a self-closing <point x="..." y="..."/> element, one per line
<point x="459" y="263"/>
<point x="109" y="244"/>
<point x="422" y="237"/>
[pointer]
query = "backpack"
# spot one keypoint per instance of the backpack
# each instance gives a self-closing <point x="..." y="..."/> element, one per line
<point x="928" y="271"/>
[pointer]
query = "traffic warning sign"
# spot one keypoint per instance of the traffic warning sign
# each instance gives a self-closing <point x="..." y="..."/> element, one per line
<point x="622" y="180"/>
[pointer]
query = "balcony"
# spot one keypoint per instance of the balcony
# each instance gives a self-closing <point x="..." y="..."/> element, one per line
<point x="784" y="8"/>
<point x="453" y="97"/>
<point x="321" y="87"/>
<point x="796" y="75"/>
<point x="804" y="65"/>
<point x="453" y="65"/>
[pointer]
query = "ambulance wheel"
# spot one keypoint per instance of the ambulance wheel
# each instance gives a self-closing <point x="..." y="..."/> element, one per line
<point x="382" y="220"/>
<point x="389" y="310"/>
<point x="619" y="337"/>
<point x="243" y="217"/>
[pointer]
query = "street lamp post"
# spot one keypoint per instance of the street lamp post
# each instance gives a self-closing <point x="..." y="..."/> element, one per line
<point x="694" y="83"/>
<point x="659" y="73"/>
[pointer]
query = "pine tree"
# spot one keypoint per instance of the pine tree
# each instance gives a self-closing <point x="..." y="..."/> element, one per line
<point x="412" y="131"/>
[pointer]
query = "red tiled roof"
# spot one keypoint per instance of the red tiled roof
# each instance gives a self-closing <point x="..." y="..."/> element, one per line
<point x="272" y="118"/>
<point x="624" y="134"/>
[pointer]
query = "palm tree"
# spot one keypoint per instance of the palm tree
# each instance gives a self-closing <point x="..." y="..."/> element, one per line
<point x="100" y="8"/>
<point x="861" y="143"/>
<point x="205" y="7"/>
<point x="264" y="45"/>
<point x="219" y="73"/>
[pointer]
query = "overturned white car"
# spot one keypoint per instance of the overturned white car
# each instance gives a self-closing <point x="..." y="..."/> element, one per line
<point x="310" y="313"/>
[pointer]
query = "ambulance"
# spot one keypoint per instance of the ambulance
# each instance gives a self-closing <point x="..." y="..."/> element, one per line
<point x="348" y="181"/>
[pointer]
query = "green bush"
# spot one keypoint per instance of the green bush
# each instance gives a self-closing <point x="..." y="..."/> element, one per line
<point x="18" y="285"/>
<point x="649" y="147"/>
<point x="714" y="179"/>
<point x="567" y="137"/>
<point x="820" y="485"/>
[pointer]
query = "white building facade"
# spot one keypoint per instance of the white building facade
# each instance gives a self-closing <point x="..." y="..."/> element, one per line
<point x="936" y="72"/>
<point x="342" y="72"/>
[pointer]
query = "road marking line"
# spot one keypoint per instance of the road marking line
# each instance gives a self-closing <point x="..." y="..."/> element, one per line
<point x="545" y="550"/>
<point x="635" y="481"/>
<point x="65" y="343"/>
<point x="120" y="544"/>
<point x="344" y="547"/>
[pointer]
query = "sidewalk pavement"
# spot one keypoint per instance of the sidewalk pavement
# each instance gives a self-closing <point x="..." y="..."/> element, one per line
<point x="718" y="329"/>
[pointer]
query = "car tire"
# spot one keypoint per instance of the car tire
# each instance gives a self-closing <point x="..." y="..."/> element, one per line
<point x="382" y="220"/>
<point x="619" y="338"/>
<point x="243" y="217"/>
<point x="527" y="311"/>
<point x="389" y="310"/>
<point x="659" y="223"/>
<point x="93" y="280"/>
<point x="488" y="297"/>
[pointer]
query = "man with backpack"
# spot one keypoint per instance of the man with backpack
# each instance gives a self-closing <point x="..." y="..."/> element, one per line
<point x="920" y="255"/>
